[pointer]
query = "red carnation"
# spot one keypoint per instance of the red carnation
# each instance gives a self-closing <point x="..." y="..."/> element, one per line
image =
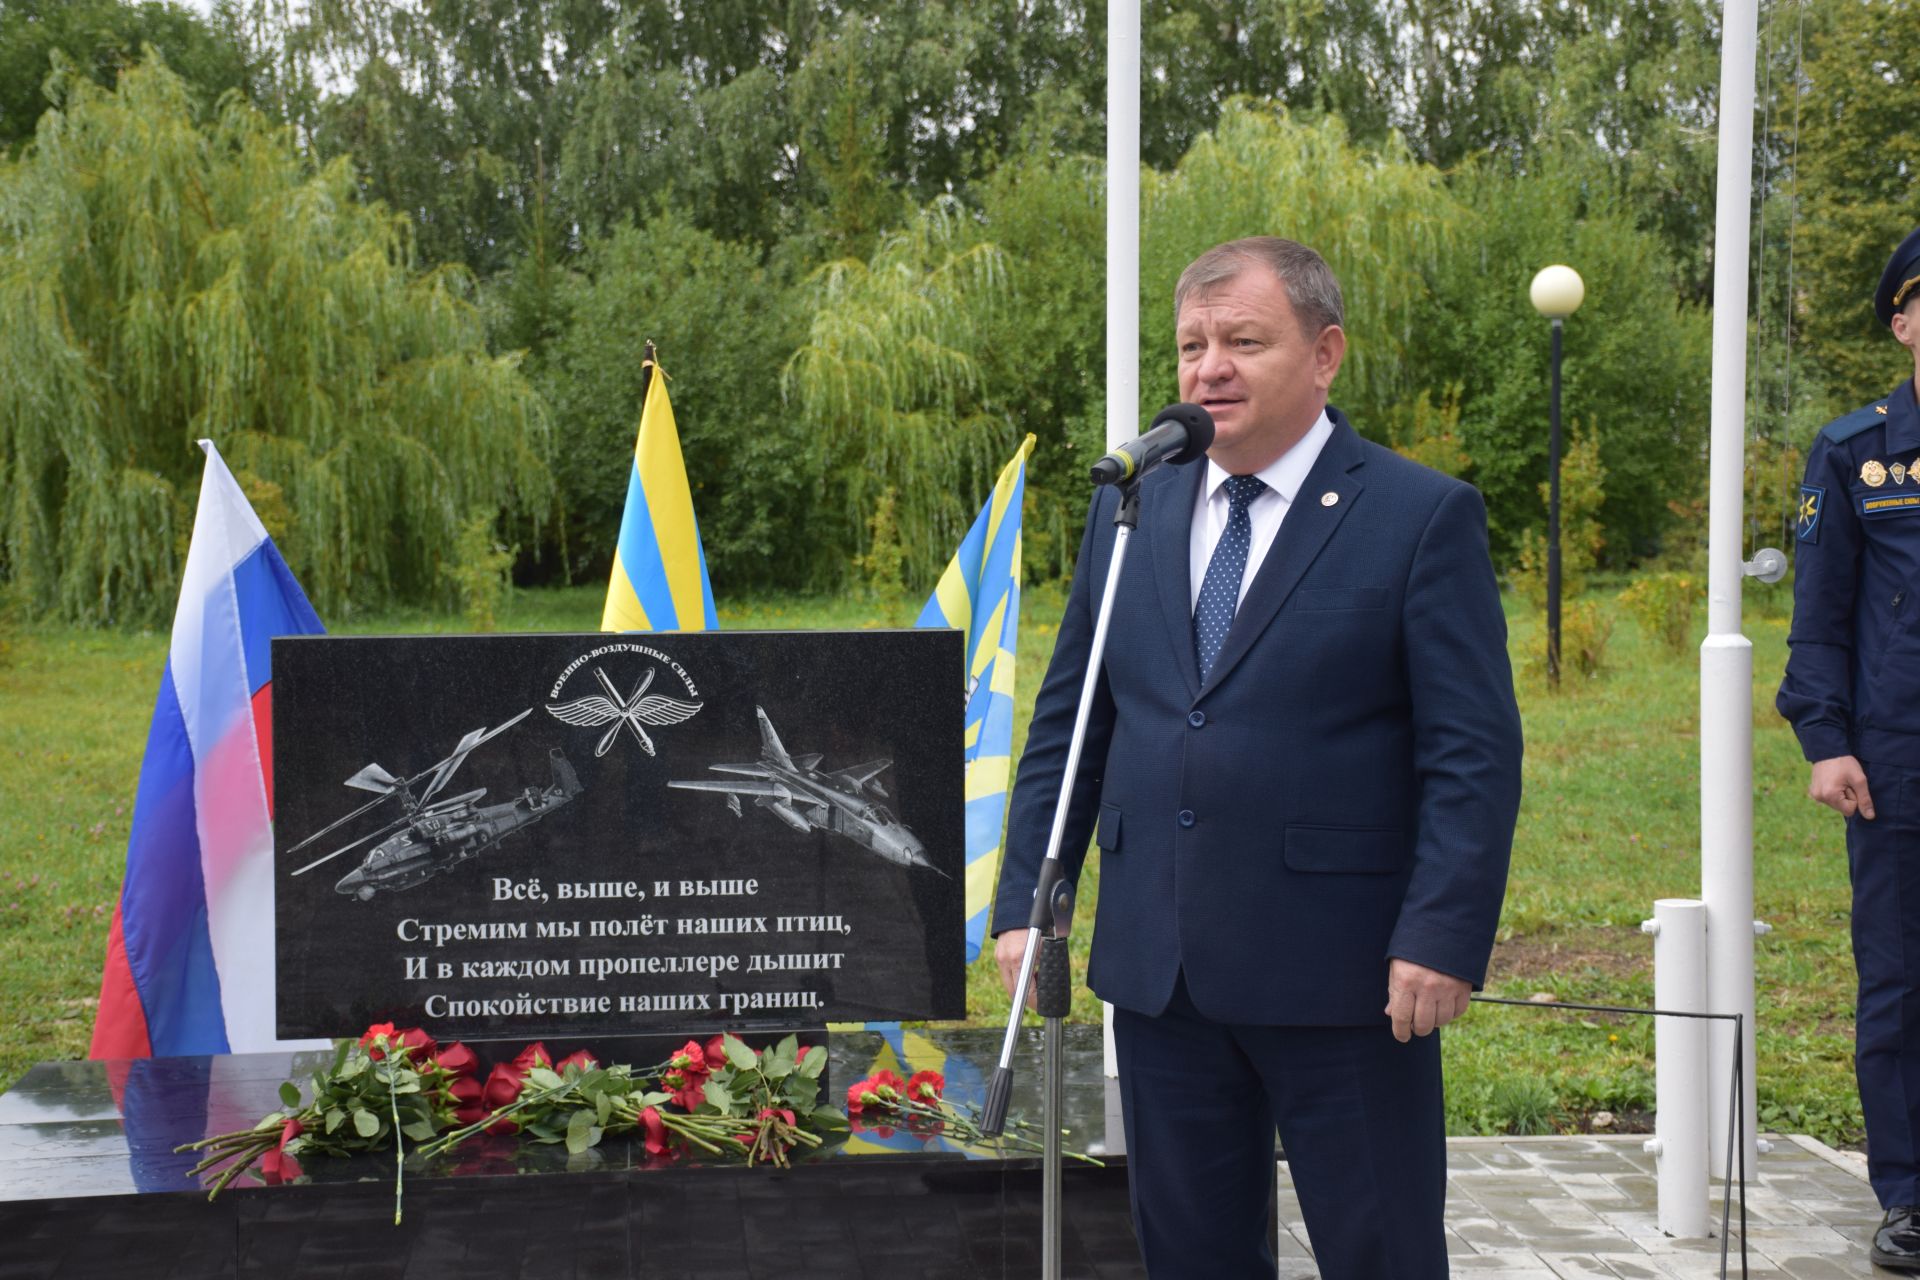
<point x="578" y="1058"/>
<point x="859" y="1094"/>
<point x="926" y="1087"/>
<point x="691" y="1057"/>
<point x="656" y="1132"/>
<point x="370" y="1038"/>
<point x="458" y="1060"/>
<point x="691" y="1094"/>
<point x="888" y="1085"/>
<point x="415" y="1043"/>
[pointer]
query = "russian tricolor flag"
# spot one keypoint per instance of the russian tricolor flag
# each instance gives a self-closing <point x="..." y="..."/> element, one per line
<point x="190" y="959"/>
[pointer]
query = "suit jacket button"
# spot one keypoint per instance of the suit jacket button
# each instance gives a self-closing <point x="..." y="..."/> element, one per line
<point x="1186" y="816"/>
<point x="1196" y="718"/>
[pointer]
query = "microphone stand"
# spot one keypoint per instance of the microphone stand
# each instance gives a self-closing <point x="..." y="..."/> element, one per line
<point x="1044" y="966"/>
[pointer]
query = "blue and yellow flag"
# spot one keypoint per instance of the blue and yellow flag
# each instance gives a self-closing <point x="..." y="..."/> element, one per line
<point x="659" y="572"/>
<point x="980" y="595"/>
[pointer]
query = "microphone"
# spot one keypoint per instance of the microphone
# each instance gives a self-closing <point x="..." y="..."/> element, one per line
<point x="1179" y="434"/>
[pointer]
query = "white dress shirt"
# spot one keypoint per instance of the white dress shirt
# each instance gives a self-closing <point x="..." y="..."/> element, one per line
<point x="1283" y="477"/>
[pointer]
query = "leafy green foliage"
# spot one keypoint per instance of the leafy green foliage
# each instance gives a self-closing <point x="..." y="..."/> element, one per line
<point x="723" y="323"/>
<point x="1858" y="145"/>
<point x="888" y="380"/>
<point x="1636" y="364"/>
<point x="98" y="39"/>
<point x="167" y="281"/>
<point x="1381" y="219"/>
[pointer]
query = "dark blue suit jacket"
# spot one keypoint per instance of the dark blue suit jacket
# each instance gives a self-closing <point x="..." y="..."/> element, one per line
<point x="1342" y="790"/>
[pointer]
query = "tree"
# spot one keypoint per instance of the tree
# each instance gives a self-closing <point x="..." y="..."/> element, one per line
<point x="1637" y="363"/>
<point x="1859" y="151"/>
<point x="165" y="281"/>
<point x="100" y="39"/>
<point x="1381" y="219"/>
<point x="724" y="325"/>
<point x="888" y="377"/>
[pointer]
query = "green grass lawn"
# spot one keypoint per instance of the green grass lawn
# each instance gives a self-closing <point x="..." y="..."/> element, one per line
<point x="1609" y="824"/>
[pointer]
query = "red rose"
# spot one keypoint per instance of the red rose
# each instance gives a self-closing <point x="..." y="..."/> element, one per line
<point x="458" y="1060"/>
<point x="578" y="1058"/>
<point x="503" y="1085"/>
<point x="692" y="1094"/>
<point x="716" y="1050"/>
<point x="372" y="1035"/>
<point x="289" y="1131"/>
<point x="801" y="1056"/>
<point x="469" y="1104"/>
<point x="415" y="1043"/>
<point x="782" y="1113"/>
<point x="534" y="1055"/>
<point x="656" y="1131"/>
<point x="926" y="1087"/>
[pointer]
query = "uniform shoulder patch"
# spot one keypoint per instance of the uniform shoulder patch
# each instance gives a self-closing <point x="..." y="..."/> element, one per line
<point x="1806" y="525"/>
<point x="1847" y="426"/>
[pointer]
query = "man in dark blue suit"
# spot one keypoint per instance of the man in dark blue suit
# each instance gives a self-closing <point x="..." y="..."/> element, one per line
<point x="1302" y="769"/>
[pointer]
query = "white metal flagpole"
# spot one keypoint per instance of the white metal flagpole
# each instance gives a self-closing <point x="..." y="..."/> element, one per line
<point x="1123" y="256"/>
<point x="1726" y="656"/>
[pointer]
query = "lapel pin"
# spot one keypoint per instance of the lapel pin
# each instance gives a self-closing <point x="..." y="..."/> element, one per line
<point x="1328" y="498"/>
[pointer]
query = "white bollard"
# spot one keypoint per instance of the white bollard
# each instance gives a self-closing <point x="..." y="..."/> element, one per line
<point x="1679" y="929"/>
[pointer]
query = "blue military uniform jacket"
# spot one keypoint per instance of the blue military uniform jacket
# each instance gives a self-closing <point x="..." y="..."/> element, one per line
<point x="1853" y="681"/>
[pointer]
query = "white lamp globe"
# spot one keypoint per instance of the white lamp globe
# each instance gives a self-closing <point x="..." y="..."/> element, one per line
<point x="1557" y="292"/>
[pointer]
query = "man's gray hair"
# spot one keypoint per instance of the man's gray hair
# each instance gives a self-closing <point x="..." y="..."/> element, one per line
<point x="1310" y="283"/>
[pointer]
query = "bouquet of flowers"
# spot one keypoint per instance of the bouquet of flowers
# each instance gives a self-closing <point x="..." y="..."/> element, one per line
<point x="883" y="1103"/>
<point x="392" y="1085"/>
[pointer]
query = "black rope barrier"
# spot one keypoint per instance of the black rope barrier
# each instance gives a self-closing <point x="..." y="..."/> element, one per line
<point x="1736" y="1114"/>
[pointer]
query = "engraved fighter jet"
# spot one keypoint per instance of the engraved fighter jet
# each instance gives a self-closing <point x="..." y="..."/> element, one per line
<point x="431" y="836"/>
<point x="794" y="790"/>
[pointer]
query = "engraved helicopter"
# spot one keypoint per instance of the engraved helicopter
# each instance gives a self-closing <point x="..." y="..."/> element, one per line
<point x="794" y="790"/>
<point x="432" y="836"/>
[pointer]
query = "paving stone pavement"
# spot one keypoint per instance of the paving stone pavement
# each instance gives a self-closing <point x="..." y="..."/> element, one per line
<point x="1585" y="1208"/>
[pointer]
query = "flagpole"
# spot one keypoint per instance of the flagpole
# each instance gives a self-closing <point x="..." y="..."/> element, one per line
<point x="1123" y="275"/>
<point x="1726" y="656"/>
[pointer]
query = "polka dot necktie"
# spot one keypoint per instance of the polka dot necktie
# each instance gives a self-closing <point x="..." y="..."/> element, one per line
<point x="1220" y="589"/>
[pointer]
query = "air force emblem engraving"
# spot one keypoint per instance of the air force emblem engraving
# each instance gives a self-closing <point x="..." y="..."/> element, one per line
<point x="1806" y="524"/>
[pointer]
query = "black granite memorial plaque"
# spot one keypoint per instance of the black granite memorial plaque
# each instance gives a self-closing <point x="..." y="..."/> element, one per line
<point x="611" y="834"/>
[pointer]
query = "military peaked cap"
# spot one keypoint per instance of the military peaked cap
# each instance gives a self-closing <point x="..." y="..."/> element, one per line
<point x="1900" y="282"/>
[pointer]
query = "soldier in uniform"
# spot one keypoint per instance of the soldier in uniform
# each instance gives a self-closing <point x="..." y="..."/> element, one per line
<point x="1852" y="693"/>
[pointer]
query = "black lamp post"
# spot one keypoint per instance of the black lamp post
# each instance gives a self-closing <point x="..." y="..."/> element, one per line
<point x="1557" y="293"/>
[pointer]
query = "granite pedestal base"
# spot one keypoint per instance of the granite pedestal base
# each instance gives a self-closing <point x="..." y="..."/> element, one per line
<point x="90" y="1186"/>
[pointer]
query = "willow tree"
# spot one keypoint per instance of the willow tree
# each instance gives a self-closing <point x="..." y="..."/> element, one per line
<point x="164" y="281"/>
<point x="890" y="378"/>
<point x="1379" y="217"/>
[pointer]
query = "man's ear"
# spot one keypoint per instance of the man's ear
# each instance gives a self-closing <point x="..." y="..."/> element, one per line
<point x="1906" y="325"/>
<point x="1329" y="349"/>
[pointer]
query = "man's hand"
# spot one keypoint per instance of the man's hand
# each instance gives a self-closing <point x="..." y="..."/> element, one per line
<point x="1009" y="949"/>
<point x="1421" y="1000"/>
<point x="1841" y="785"/>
